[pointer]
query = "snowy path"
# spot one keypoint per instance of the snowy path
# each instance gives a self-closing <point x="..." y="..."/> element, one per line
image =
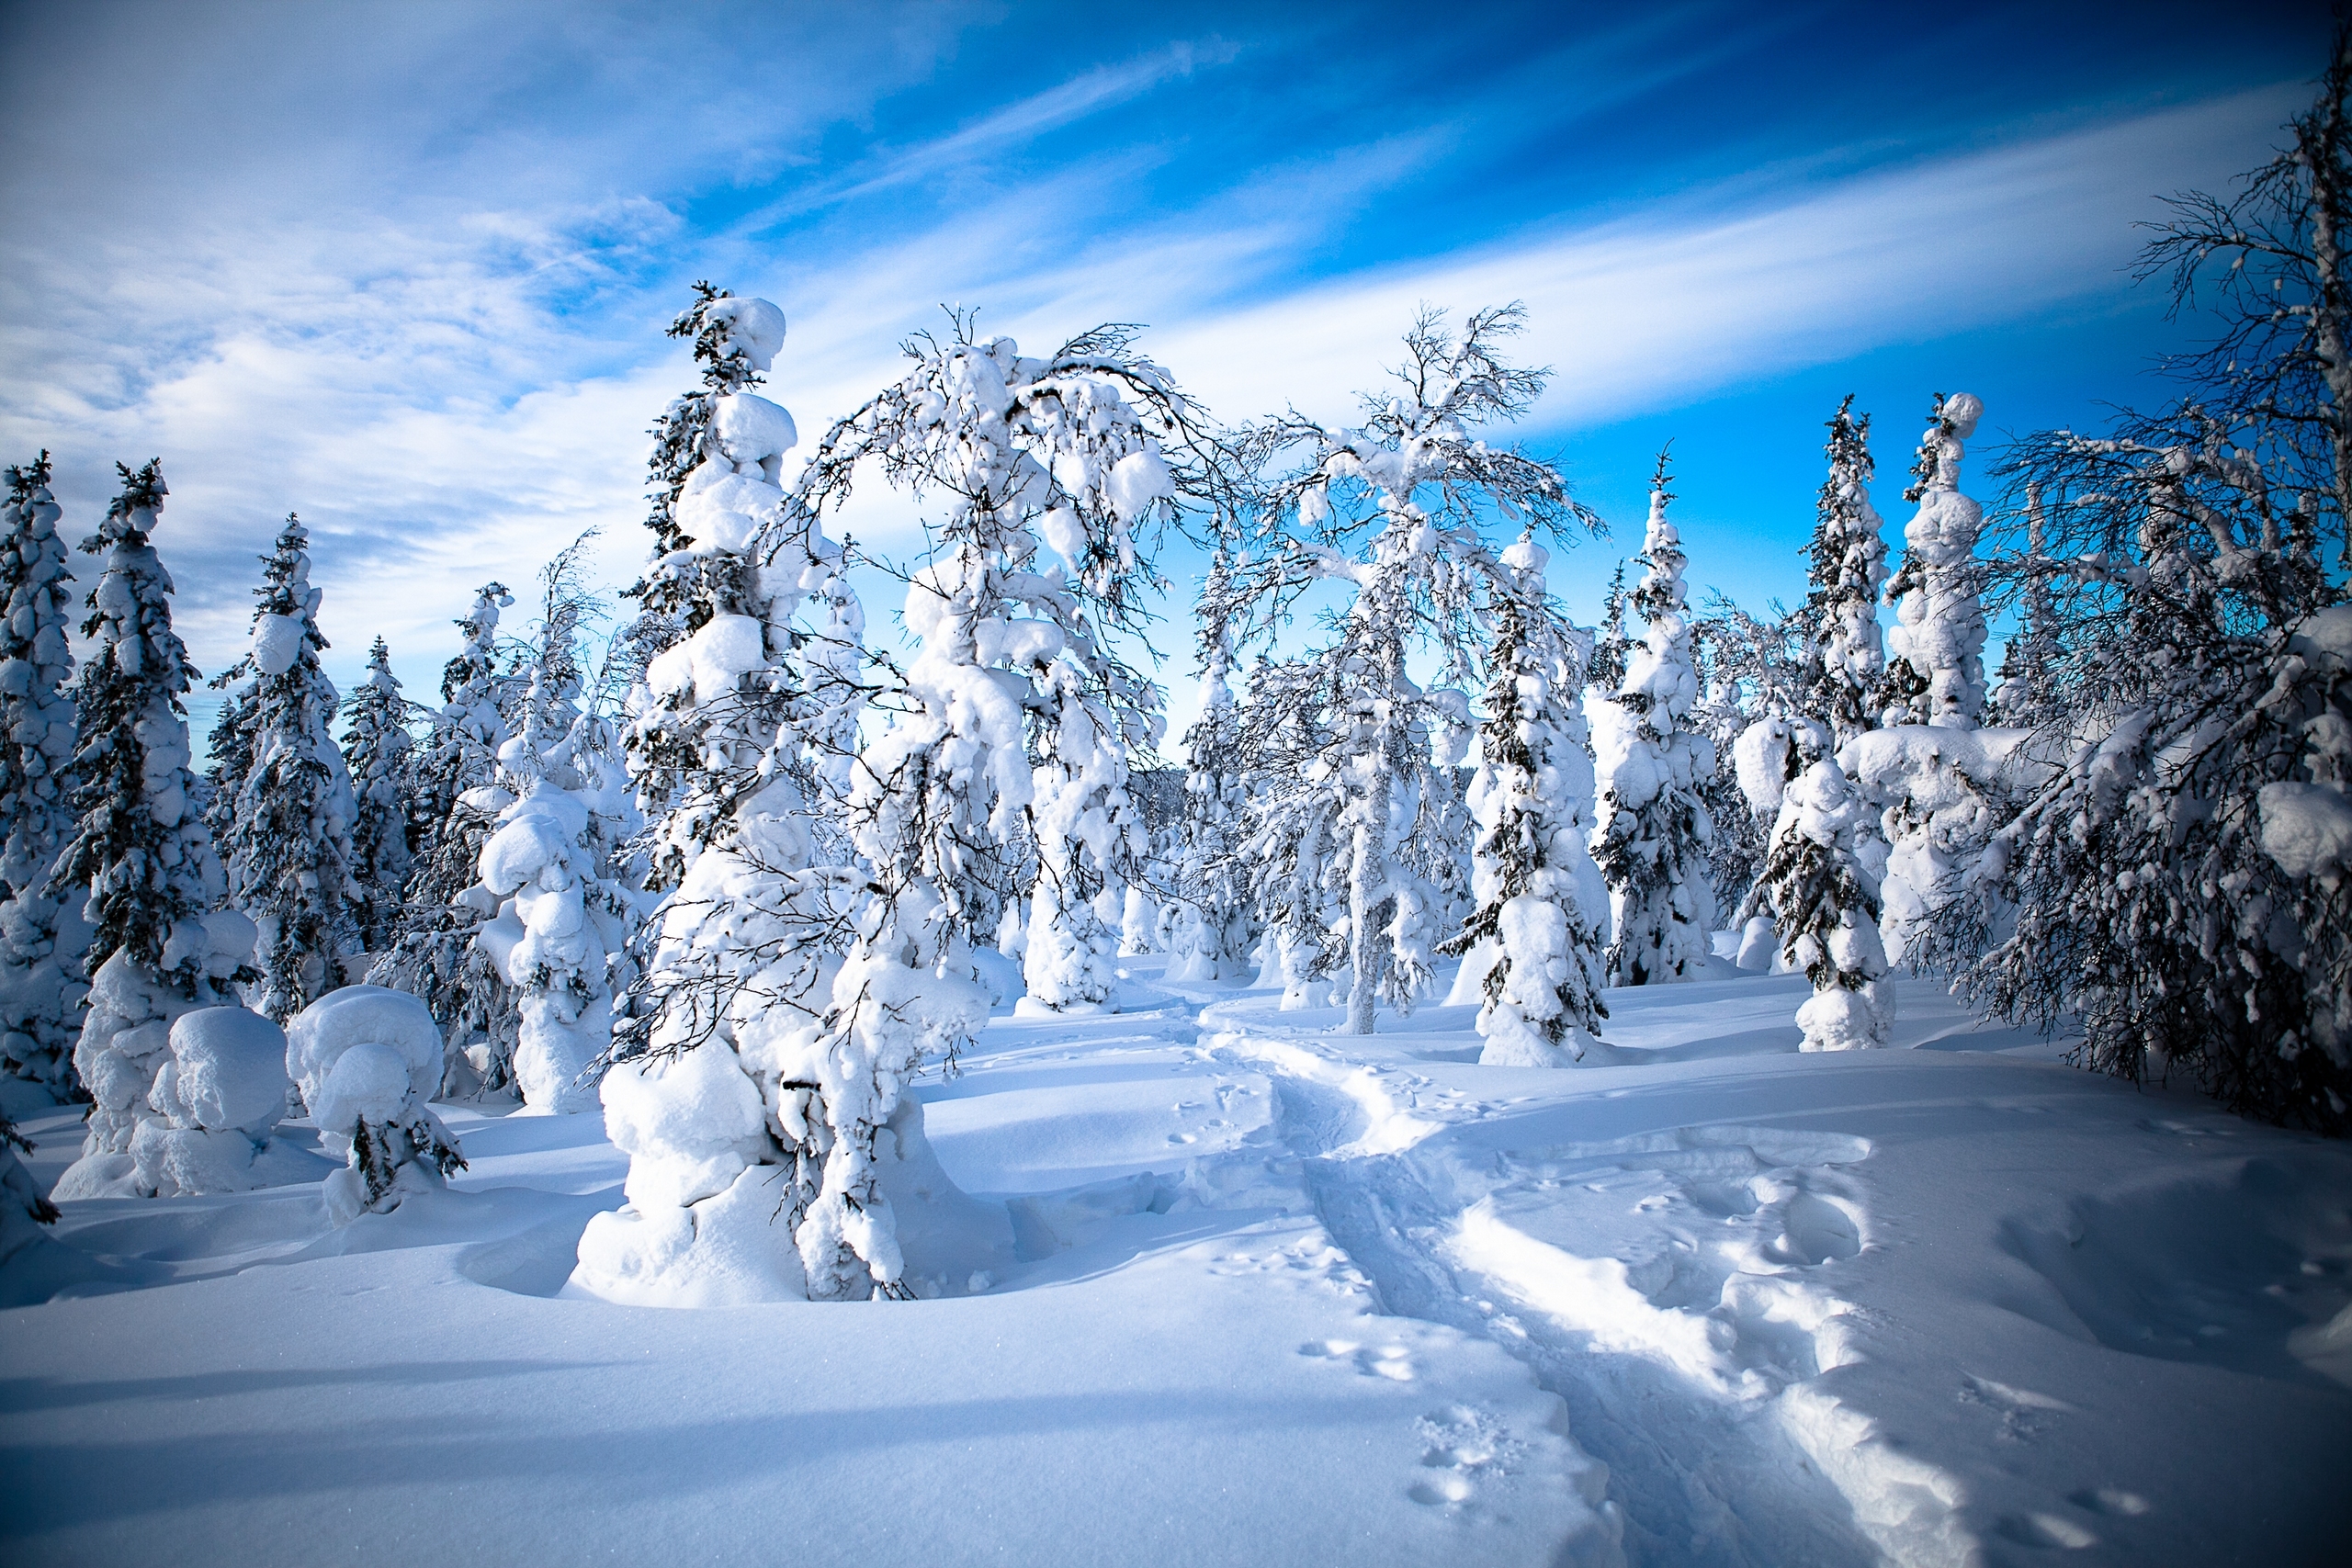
<point x="1268" y="1294"/>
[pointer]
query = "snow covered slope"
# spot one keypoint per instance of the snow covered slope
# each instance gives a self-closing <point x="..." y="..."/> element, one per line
<point x="1273" y="1295"/>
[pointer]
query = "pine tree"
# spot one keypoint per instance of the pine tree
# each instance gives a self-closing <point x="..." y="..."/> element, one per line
<point x="379" y="753"/>
<point x="23" y="1211"/>
<point x="1395" y="509"/>
<point x="1655" y="829"/>
<point x="283" y="821"/>
<point x="1847" y="557"/>
<point x="40" y="937"/>
<point x="1533" y="931"/>
<point x="455" y="793"/>
<point x="159" y="946"/>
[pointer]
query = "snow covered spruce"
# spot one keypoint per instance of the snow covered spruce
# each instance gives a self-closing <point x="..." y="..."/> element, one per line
<point x="160" y="946"/>
<point x="550" y="878"/>
<point x="453" y="792"/>
<point x="1653" y="827"/>
<point x="41" y="932"/>
<point x="1534" y="946"/>
<point x="379" y="751"/>
<point x="282" y="808"/>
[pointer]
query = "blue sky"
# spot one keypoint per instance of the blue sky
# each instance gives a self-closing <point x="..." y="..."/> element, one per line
<point x="405" y="269"/>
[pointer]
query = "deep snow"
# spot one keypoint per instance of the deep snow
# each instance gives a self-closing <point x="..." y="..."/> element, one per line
<point x="1266" y="1293"/>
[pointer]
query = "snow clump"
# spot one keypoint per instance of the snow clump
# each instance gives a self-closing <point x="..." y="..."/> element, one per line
<point x="367" y="1060"/>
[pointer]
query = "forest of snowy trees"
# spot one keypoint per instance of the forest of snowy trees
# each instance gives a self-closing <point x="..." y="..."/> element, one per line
<point x="714" y="860"/>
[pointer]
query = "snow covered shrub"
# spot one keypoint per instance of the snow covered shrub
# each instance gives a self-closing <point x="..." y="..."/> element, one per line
<point x="282" y="806"/>
<point x="454" y="793"/>
<point x="368" y="1061"/>
<point x="23" y="1211"/>
<point x="1288" y="850"/>
<point x="40" y="933"/>
<point x="379" y="753"/>
<point x="1824" y="901"/>
<point x="1395" y="509"/>
<point x="1655" y="828"/>
<point x="219" y="1094"/>
<point x="1533" y="940"/>
<point x="159" y="947"/>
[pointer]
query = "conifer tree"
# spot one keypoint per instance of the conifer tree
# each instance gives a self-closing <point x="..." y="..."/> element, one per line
<point x="1533" y="931"/>
<point x="454" y="789"/>
<point x="1824" y="899"/>
<point x="378" y="753"/>
<point x="1655" y="829"/>
<point x="1938" y="641"/>
<point x="41" y="935"/>
<point x="23" y="1211"/>
<point x="283" y="819"/>
<point x="548" y="874"/>
<point x="1208" y="915"/>
<point x="159" y="946"/>
<point x="1849" y="561"/>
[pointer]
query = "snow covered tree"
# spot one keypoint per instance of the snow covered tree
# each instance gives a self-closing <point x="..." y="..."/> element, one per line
<point x="1533" y="933"/>
<point x="282" y="820"/>
<point x="454" y="791"/>
<point x="2175" y="877"/>
<point x="379" y="751"/>
<point x="1849" y="570"/>
<point x="159" y="946"/>
<point x="1824" y="899"/>
<point x="41" y="935"/>
<point x="1655" y="829"/>
<point x="1064" y="451"/>
<point x="1934" y="789"/>
<point x="1394" y="508"/>
<point x="1937" y="673"/>
<point x="1207" y="914"/>
<point x="548" y="873"/>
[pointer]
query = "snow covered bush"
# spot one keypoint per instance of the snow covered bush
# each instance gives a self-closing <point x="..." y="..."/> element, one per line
<point x="368" y="1061"/>
<point x="378" y="751"/>
<point x="454" y="793"/>
<point x="159" y="945"/>
<point x="1396" y="510"/>
<point x="1653" y="828"/>
<point x="41" y="934"/>
<point x="1533" y="941"/>
<point x="219" y="1094"/>
<point x="23" y="1211"/>
<point x="282" y="806"/>
<point x="1824" y="899"/>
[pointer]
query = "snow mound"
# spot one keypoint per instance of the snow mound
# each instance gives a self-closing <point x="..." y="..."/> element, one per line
<point x="2307" y="828"/>
<point x="367" y="1060"/>
<point x="227" y="1072"/>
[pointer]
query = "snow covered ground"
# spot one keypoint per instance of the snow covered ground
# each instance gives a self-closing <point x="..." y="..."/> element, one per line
<point x="1264" y="1293"/>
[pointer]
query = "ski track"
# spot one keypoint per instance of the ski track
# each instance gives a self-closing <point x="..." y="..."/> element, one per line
<point x="1688" y="1372"/>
